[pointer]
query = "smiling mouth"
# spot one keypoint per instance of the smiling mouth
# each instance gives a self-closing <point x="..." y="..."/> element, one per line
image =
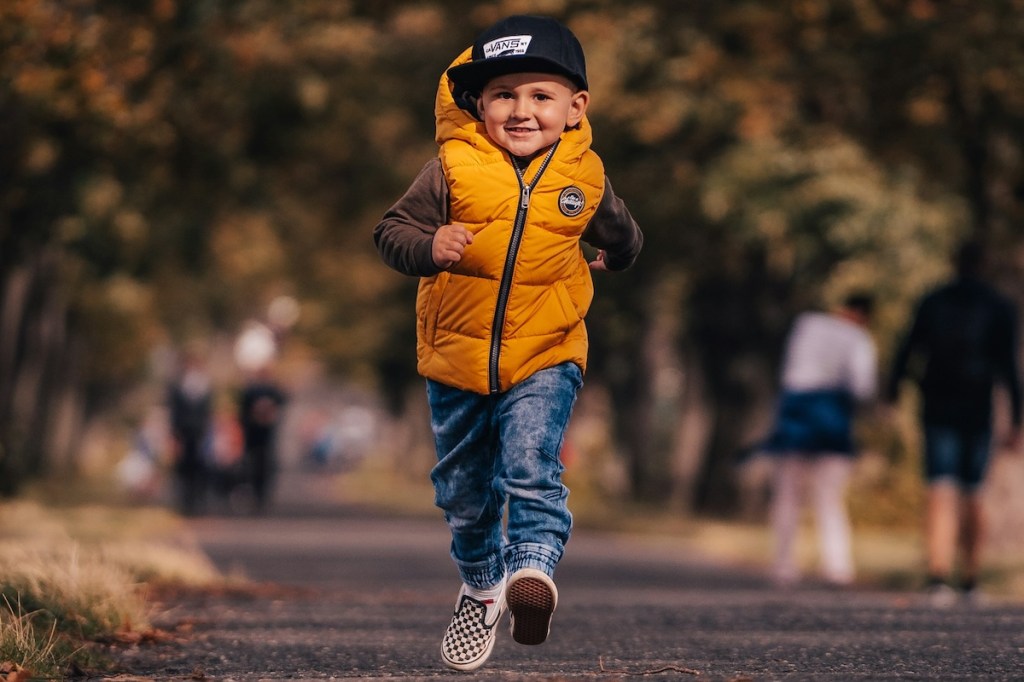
<point x="519" y="131"/>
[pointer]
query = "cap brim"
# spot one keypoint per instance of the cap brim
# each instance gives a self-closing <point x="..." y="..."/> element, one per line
<point x="471" y="77"/>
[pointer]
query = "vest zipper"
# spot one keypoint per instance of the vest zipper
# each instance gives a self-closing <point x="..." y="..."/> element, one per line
<point x="505" y="287"/>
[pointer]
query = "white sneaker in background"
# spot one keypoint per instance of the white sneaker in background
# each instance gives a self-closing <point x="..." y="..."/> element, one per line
<point x="942" y="596"/>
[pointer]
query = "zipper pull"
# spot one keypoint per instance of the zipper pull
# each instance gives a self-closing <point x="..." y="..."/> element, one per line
<point x="524" y="201"/>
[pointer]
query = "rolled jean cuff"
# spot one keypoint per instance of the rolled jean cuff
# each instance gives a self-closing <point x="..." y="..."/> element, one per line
<point x="481" y="574"/>
<point x="532" y="555"/>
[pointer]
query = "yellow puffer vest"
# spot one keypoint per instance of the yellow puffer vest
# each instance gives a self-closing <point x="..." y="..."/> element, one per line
<point x="515" y="303"/>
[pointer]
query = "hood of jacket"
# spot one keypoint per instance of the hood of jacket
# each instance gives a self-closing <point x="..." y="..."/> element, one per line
<point x="452" y="122"/>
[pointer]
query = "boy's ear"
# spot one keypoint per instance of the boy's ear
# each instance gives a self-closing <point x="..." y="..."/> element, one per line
<point x="577" y="108"/>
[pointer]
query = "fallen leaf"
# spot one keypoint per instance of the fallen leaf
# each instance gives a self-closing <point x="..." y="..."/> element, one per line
<point x="19" y="675"/>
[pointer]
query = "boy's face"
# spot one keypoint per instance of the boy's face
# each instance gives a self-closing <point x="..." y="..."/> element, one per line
<point x="527" y="112"/>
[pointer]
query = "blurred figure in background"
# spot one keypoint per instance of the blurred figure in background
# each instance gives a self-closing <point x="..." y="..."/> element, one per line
<point x="225" y="448"/>
<point x="261" y="406"/>
<point x="190" y="399"/>
<point x="964" y="334"/>
<point x="830" y="367"/>
<point x="138" y="472"/>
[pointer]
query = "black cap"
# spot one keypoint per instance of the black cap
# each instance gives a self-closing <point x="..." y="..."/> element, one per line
<point x="521" y="44"/>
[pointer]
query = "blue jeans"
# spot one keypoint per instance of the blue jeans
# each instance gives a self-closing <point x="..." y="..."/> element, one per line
<point x="497" y="449"/>
<point x="957" y="455"/>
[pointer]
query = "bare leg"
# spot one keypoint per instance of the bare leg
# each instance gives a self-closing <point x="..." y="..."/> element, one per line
<point x="941" y="528"/>
<point x="831" y="473"/>
<point x="972" y="537"/>
<point x="788" y="480"/>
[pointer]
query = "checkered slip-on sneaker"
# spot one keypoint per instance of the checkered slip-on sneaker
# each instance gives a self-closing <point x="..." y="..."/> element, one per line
<point x="531" y="598"/>
<point x="469" y="639"/>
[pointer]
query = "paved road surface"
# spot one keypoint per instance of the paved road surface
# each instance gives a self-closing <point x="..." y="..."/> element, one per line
<point x="373" y="595"/>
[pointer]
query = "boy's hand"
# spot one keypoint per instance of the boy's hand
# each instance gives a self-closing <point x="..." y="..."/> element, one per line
<point x="598" y="263"/>
<point x="449" y="243"/>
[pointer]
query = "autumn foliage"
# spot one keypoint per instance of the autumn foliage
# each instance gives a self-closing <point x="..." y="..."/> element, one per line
<point x="170" y="167"/>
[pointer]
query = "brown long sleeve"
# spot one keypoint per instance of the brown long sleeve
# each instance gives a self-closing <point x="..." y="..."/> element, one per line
<point x="613" y="229"/>
<point x="405" y="233"/>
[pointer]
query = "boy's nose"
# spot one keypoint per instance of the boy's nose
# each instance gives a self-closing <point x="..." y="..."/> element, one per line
<point x="521" y="109"/>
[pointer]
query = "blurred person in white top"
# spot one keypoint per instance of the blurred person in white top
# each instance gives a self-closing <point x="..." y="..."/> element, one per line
<point x="830" y="368"/>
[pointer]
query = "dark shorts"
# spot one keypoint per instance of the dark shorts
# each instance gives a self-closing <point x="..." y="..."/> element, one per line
<point x="957" y="455"/>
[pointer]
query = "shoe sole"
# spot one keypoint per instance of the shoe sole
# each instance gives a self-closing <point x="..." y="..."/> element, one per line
<point x="531" y="604"/>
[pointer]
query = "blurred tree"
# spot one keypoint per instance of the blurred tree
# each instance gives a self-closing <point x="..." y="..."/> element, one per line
<point x="68" y="235"/>
<point x="170" y="167"/>
<point x="808" y="222"/>
<point x="701" y="94"/>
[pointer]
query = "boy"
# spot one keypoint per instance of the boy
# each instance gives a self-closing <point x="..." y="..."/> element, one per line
<point x="492" y="227"/>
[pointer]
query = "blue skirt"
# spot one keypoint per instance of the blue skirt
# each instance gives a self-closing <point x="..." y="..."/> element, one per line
<point x="810" y="422"/>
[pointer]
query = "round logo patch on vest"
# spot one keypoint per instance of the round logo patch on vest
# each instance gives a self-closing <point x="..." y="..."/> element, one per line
<point x="571" y="201"/>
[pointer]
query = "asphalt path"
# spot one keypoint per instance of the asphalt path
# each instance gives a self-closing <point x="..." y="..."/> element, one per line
<point x="346" y="593"/>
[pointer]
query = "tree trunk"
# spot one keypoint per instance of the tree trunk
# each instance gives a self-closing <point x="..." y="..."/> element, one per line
<point x="693" y="432"/>
<point x="971" y="125"/>
<point x="34" y="370"/>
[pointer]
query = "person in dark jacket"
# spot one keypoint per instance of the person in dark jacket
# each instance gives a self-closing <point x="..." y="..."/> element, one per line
<point x="261" y="405"/>
<point x="190" y="402"/>
<point x="961" y="344"/>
